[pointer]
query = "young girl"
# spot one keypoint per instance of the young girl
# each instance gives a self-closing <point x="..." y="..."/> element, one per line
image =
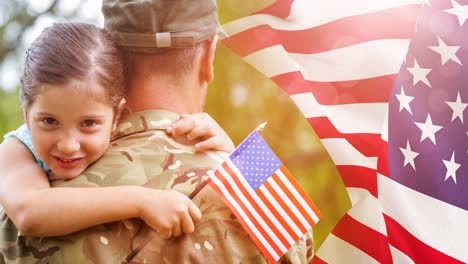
<point x="72" y="93"/>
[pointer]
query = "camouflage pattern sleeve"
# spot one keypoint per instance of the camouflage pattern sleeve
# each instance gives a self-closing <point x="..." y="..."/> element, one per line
<point x="144" y="155"/>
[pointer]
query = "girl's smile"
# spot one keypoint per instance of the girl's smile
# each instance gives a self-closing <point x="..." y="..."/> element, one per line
<point x="67" y="163"/>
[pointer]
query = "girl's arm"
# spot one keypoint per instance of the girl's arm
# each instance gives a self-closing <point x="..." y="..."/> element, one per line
<point x="39" y="210"/>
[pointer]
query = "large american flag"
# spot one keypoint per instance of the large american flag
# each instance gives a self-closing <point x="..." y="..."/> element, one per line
<point x="265" y="197"/>
<point x="391" y="114"/>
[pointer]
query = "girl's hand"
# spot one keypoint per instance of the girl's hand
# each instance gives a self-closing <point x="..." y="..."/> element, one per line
<point x="202" y="127"/>
<point x="169" y="212"/>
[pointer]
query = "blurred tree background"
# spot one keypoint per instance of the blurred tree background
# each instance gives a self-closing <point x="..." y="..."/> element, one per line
<point x="240" y="98"/>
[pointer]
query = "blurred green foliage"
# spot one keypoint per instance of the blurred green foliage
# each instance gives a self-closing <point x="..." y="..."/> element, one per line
<point x="240" y="98"/>
<point x="10" y="111"/>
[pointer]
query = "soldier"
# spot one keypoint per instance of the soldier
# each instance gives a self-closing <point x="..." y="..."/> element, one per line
<point x="171" y="46"/>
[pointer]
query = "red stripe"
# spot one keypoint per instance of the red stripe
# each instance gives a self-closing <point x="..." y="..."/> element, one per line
<point x="371" y="90"/>
<point x="414" y="248"/>
<point x="337" y="34"/>
<point x="285" y="207"/>
<point x="317" y="260"/>
<point x="366" y="143"/>
<point x="247" y="212"/>
<point x="264" y="217"/>
<point x="359" y="177"/>
<point x="301" y="192"/>
<point x="280" y="8"/>
<point x="372" y="242"/>
<point x="257" y="242"/>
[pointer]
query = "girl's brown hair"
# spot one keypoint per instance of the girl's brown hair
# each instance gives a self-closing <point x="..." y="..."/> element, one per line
<point x="67" y="52"/>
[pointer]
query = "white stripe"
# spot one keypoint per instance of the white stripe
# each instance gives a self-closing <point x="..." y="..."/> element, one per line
<point x="385" y="126"/>
<point x="296" y="195"/>
<point x="400" y="257"/>
<point x="252" y="210"/>
<point x="436" y="223"/>
<point x="289" y="204"/>
<point x="364" y="60"/>
<point x="336" y="250"/>
<point x="366" y="209"/>
<point x="344" y="153"/>
<point x="261" y="204"/>
<point x="273" y="61"/>
<point x="280" y="210"/>
<point x="318" y="12"/>
<point x="244" y="216"/>
<point x="343" y="117"/>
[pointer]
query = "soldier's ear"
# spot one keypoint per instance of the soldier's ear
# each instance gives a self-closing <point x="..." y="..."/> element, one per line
<point x="206" y="63"/>
<point x="118" y="114"/>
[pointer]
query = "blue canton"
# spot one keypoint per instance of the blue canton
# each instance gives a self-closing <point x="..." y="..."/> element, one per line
<point x="255" y="160"/>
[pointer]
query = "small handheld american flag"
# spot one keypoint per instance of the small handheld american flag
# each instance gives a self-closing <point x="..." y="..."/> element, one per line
<point x="265" y="197"/>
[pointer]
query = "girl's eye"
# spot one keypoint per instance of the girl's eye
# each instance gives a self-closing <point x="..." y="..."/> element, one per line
<point x="49" y="121"/>
<point x="89" y="123"/>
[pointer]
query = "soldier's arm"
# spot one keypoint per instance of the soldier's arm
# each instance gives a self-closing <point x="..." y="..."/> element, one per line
<point x="39" y="210"/>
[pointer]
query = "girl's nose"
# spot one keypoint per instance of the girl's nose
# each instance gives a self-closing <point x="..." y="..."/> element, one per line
<point x="68" y="145"/>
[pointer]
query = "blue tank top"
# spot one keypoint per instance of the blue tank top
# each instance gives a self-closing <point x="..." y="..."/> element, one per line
<point x="22" y="133"/>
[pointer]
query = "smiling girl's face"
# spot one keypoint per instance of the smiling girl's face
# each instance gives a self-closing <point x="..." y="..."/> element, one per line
<point x="70" y="126"/>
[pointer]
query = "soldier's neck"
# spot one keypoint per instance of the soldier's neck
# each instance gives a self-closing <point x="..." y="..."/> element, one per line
<point x="159" y="92"/>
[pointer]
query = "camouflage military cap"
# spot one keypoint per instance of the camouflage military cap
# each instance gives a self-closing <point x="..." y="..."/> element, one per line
<point x="157" y="25"/>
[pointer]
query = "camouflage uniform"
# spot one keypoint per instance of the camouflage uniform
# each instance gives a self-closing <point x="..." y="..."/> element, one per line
<point x="142" y="154"/>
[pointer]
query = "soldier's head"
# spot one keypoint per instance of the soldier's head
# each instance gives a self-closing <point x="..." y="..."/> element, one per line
<point x="168" y="36"/>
